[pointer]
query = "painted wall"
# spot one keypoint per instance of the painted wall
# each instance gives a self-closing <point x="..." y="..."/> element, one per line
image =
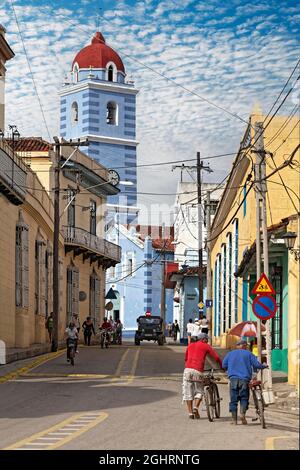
<point x="279" y="207"/>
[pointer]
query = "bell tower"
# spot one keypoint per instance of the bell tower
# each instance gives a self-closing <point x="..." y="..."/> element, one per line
<point x="98" y="103"/>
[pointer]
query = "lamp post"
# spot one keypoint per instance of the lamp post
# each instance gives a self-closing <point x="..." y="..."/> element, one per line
<point x="289" y="240"/>
<point x="15" y="135"/>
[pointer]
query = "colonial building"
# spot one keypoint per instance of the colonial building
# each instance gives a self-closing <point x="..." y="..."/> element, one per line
<point x="234" y="239"/>
<point x="85" y="253"/>
<point x="138" y="280"/>
<point x="186" y="292"/>
<point x="100" y="104"/>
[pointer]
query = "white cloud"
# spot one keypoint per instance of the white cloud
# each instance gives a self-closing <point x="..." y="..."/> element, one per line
<point x="232" y="66"/>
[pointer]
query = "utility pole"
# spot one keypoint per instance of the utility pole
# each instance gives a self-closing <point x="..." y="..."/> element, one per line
<point x="208" y="267"/>
<point x="261" y="217"/>
<point x="200" y="167"/>
<point x="163" y="290"/>
<point x="57" y="169"/>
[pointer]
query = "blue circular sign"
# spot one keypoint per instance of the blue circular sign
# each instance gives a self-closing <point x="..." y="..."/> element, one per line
<point x="264" y="307"/>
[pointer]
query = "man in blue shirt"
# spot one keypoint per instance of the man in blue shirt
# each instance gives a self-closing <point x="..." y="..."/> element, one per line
<point x="240" y="364"/>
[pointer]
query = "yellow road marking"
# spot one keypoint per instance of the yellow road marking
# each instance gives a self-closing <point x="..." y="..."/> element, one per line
<point x="101" y="416"/>
<point x="73" y="376"/>
<point x="120" y="365"/>
<point x="270" y="445"/>
<point x="32" y="365"/>
<point x="131" y="376"/>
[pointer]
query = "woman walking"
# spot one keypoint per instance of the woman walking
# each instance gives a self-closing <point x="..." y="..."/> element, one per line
<point x="88" y="329"/>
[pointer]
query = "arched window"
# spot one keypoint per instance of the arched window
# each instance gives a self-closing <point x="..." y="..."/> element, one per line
<point x="110" y="73"/>
<point x="112" y="113"/>
<point x="75" y="73"/>
<point x="74" y="113"/>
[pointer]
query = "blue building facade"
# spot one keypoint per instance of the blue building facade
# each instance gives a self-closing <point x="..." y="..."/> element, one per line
<point x="97" y="103"/>
<point x="137" y="280"/>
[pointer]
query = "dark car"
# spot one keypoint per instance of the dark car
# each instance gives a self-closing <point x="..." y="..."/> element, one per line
<point x="150" y="329"/>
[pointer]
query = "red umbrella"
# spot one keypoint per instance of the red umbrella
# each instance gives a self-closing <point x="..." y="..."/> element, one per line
<point x="245" y="328"/>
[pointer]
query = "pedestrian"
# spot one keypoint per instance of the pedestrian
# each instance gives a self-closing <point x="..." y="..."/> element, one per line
<point x="189" y="329"/>
<point x="49" y="324"/>
<point x="192" y="387"/>
<point x="175" y="330"/>
<point x="170" y="329"/>
<point x="196" y="330"/>
<point x="240" y="364"/>
<point x="88" y="329"/>
<point x="203" y="323"/>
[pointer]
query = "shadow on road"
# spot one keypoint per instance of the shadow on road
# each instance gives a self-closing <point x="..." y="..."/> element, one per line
<point x="76" y="396"/>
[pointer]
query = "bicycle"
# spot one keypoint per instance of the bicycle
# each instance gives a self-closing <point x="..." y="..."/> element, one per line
<point x="211" y="395"/>
<point x="258" y="399"/>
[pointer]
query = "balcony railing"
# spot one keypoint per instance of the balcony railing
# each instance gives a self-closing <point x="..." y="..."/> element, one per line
<point x="12" y="175"/>
<point x="101" y="247"/>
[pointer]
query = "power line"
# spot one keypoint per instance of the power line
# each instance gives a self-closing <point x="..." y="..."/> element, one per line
<point x="286" y="83"/>
<point x="284" y="185"/>
<point x="30" y="69"/>
<point x="286" y="163"/>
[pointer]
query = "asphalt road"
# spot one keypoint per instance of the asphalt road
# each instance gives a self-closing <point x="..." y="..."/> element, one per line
<point x="125" y="397"/>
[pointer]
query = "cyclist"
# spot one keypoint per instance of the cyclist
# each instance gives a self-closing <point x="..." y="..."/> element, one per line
<point x="194" y="366"/>
<point x="71" y="333"/>
<point x="240" y="364"/>
<point x="106" y="325"/>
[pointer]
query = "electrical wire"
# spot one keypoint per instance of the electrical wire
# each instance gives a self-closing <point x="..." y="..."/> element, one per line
<point x="284" y="185"/>
<point x="30" y="69"/>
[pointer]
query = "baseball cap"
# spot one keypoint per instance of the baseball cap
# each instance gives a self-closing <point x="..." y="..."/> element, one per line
<point x="196" y="319"/>
<point x="202" y="336"/>
<point x="242" y="342"/>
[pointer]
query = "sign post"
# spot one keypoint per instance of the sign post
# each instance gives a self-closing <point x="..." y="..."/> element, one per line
<point x="264" y="308"/>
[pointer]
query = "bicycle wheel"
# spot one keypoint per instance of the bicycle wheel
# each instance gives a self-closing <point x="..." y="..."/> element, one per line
<point x="209" y="404"/>
<point x="261" y="409"/>
<point x="216" y="400"/>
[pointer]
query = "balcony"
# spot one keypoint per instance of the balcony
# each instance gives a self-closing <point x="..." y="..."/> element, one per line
<point x="12" y="175"/>
<point x="92" y="248"/>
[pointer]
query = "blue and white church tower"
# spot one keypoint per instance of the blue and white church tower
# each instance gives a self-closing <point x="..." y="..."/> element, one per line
<point x="99" y="104"/>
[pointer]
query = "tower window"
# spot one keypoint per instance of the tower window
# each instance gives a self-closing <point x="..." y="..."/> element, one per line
<point x="110" y="73"/>
<point x="112" y="113"/>
<point x="74" y="113"/>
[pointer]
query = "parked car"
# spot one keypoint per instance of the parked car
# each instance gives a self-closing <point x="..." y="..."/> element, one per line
<point x="149" y="329"/>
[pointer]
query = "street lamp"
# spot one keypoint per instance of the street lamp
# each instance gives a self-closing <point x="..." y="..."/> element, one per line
<point x="15" y="135"/>
<point x="289" y="240"/>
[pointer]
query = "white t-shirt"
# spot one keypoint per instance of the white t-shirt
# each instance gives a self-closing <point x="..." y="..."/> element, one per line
<point x="204" y="323"/>
<point x="196" y="329"/>
<point x="190" y="328"/>
<point x="72" y="333"/>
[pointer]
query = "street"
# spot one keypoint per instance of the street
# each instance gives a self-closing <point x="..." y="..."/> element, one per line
<point x="125" y="397"/>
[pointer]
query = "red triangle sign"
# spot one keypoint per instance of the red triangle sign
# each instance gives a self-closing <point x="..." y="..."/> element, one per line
<point x="263" y="286"/>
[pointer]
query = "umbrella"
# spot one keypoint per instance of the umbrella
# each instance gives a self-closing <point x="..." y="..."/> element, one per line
<point x="245" y="328"/>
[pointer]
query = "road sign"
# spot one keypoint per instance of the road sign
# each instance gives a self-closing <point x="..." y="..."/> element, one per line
<point x="263" y="286"/>
<point x="209" y="303"/>
<point x="264" y="307"/>
<point x="201" y="305"/>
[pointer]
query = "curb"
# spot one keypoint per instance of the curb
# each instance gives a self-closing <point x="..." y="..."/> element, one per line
<point x="23" y="370"/>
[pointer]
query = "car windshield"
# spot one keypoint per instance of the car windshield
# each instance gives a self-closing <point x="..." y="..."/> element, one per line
<point x="149" y="321"/>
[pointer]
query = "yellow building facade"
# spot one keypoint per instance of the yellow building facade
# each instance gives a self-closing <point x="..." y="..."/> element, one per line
<point x="233" y="254"/>
<point x="26" y="240"/>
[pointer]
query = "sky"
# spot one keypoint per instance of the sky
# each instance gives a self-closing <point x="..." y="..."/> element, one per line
<point x="231" y="53"/>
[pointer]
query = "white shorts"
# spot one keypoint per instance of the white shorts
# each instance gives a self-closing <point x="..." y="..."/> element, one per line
<point x="190" y="389"/>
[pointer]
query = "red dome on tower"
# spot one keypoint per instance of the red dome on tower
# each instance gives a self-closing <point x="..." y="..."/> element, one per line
<point x="97" y="55"/>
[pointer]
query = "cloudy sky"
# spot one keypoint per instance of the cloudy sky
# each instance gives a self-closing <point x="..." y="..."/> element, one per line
<point x="232" y="53"/>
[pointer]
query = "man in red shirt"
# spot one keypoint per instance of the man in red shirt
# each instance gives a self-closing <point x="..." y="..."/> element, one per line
<point x="194" y="366"/>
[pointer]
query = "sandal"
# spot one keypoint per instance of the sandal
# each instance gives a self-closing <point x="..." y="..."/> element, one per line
<point x="196" y="413"/>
